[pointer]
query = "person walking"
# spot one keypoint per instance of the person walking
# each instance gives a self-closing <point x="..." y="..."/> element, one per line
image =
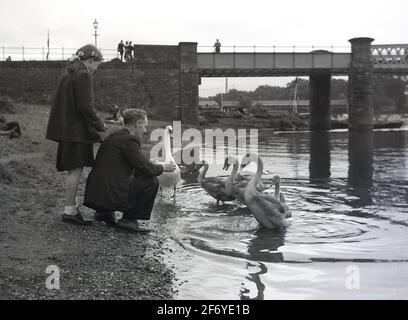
<point x="121" y="48"/>
<point x="123" y="179"/>
<point x="129" y="51"/>
<point x="75" y="125"/>
<point x="126" y="50"/>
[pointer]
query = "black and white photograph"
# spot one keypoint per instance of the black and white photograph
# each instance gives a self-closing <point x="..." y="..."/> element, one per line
<point x="229" y="151"/>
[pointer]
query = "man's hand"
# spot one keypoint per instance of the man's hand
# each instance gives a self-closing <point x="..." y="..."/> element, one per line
<point x="105" y="127"/>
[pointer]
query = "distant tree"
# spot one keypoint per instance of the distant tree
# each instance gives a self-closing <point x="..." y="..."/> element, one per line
<point x="257" y="108"/>
<point x="302" y="89"/>
<point x="338" y="89"/>
<point x="390" y="91"/>
<point x="217" y="98"/>
<point x="245" y="102"/>
<point x="380" y="101"/>
<point x="266" y="92"/>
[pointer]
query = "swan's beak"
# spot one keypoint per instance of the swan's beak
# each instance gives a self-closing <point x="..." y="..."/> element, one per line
<point x="226" y="166"/>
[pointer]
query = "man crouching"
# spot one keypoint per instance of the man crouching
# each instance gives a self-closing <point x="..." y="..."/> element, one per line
<point x="122" y="178"/>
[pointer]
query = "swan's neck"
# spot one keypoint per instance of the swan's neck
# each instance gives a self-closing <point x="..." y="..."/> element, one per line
<point x="167" y="147"/>
<point x="229" y="181"/>
<point x="251" y="188"/>
<point x="277" y="190"/>
<point x="233" y="172"/>
<point x="203" y="171"/>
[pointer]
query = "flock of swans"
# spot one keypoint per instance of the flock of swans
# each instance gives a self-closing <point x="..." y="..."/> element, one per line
<point x="270" y="210"/>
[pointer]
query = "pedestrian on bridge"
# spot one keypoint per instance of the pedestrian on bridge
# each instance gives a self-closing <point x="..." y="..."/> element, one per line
<point x="129" y="51"/>
<point x="217" y="46"/>
<point x="121" y="49"/>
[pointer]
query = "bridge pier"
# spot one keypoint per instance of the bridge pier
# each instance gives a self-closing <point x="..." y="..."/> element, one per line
<point x="361" y="114"/>
<point x="320" y="102"/>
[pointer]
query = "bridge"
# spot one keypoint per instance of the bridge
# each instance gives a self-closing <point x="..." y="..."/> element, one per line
<point x="386" y="58"/>
<point x="360" y="65"/>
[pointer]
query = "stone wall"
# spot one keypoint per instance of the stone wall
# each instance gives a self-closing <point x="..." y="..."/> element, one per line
<point x="153" y="81"/>
<point x="27" y="81"/>
<point x="189" y="81"/>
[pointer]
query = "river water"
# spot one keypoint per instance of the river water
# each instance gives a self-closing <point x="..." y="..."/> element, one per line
<point x="348" y="236"/>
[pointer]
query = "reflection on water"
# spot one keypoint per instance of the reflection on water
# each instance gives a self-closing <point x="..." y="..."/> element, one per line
<point x="319" y="165"/>
<point x="349" y="197"/>
<point x="264" y="246"/>
<point x="255" y="278"/>
<point x="360" y="176"/>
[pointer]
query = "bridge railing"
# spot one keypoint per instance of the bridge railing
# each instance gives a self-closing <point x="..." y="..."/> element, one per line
<point x="273" y="49"/>
<point x="43" y="53"/>
<point x="21" y="53"/>
<point x="390" y="55"/>
<point x="383" y="55"/>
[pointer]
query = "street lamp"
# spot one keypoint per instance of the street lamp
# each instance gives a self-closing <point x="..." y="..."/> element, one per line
<point x="95" y="25"/>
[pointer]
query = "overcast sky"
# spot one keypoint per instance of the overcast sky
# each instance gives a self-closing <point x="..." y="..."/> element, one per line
<point x="250" y="22"/>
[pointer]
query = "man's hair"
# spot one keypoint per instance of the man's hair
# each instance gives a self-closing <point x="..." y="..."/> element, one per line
<point x="131" y="116"/>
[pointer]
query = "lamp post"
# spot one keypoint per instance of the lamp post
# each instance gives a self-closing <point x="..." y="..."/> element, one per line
<point x="95" y="25"/>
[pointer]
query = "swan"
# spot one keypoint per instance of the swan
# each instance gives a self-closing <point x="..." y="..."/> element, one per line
<point x="169" y="179"/>
<point x="193" y="167"/>
<point x="247" y="176"/>
<point x="279" y="195"/>
<point x="268" y="211"/>
<point x="236" y="186"/>
<point x="215" y="186"/>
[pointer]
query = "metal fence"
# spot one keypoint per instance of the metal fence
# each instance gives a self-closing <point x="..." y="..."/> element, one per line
<point x="43" y="53"/>
<point x="274" y="49"/>
<point x="390" y="54"/>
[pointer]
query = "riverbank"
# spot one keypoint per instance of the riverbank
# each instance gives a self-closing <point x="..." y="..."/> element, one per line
<point x="282" y="121"/>
<point x="95" y="262"/>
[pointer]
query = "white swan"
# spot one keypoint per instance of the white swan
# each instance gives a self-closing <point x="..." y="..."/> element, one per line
<point x="268" y="210"/>
<point x="215" y="186"/>
<point x="169" y="179"/>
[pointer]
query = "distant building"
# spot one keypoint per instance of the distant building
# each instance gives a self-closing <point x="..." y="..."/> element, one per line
<point x="208" y="105"/>
<point x="230" y="106"/>
<point x="337" y="106"/>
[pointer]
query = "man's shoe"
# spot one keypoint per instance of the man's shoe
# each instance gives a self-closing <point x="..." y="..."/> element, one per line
<point x="131" y="226"/>
<point x="77" y="219"/>
<point x="108" y="218"/>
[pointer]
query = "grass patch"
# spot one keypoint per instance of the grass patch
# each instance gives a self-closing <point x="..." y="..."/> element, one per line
<point x="7" y="105"/>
